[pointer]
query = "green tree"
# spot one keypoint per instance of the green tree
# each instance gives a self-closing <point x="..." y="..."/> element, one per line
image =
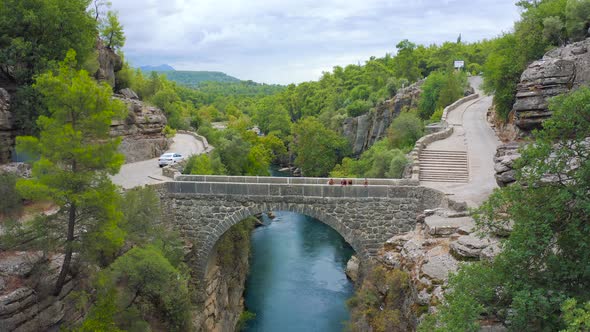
<point x="405" y="130"/>
<point x="406" y="61"/>
<point x="35" y="34"/>
<point x="577" y="18"/>
<point x="553" y="30"/>
<point x="317" y="148"/>
<point x="111" y="31"/>
<point x="140" y="285"/>
<point x="76" y="155"/>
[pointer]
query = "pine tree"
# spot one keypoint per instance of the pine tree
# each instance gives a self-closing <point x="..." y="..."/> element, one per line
<point x="76" y="155"/>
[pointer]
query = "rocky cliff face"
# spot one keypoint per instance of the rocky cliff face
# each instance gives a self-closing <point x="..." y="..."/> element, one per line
<point x="363" y="131"/>
<point x="7" y="133"/>
<point x="561" y="70"/>
<point x="227" y="269"/>
<point x="141" y="131"/>
<point x="26" y="302"/>
<point x="109" y="63"/>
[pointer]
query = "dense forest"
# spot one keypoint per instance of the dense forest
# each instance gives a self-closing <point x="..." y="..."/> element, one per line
<point x="135" y="269"/>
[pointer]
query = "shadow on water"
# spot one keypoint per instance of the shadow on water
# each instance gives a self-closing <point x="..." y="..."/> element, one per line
<point x="297" y="280"/>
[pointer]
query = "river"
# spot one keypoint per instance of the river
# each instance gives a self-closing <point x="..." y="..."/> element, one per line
<point x="297" y="280"/>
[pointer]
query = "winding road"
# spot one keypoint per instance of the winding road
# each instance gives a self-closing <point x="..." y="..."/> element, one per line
<point x="148" y="171"/>
<point x="472" y="134"/>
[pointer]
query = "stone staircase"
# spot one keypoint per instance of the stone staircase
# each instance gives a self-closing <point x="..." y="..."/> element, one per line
<point x="444" y="166"/>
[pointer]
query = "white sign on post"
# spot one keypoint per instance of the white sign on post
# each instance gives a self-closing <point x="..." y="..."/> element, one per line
<point x="459" y="64"/>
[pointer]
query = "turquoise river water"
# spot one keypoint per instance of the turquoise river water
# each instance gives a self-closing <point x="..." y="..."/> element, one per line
<point x="297" y="280"/>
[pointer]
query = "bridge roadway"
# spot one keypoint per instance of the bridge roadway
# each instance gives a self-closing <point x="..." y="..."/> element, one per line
<point x="202" y="208"/>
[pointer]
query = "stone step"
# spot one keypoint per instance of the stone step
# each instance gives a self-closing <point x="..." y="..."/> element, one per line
<point x="443" y="155"/>
<point x="443" y="171"/>
<point x="457" y="161"/>
<point x="443" y="165"/>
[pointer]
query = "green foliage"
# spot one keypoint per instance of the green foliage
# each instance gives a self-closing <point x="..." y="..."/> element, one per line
<point x="440" y="90"/>
<point x="405" y="130"/>
<point x="36" y="34"/>
<point x="76" y="155"/>
<point x="541" y="26"/>
<point x="272" y="117"/>
<point x="378" y="162"/>
<point x="553" y="30"/>
<point x="379" y="302"/>
<point x="576" y="318"/>
<point x="169" y="132"/>
<point x="139" y="286"/>
<point x="205" y="165"/>
<point x="111" y="31"/>
<point x="194" y="79"/>
<point x="544" y="261"/>
<point x="245" y="317"/>
<point x="234" y="243"/>
<point x="141" y="214"/>
<point x="358" y="107"/>
<point x="437" y="115"/>
<point x="318" y="149"/>
<point x="11" y="202"/>
<point x="577" y="18"/>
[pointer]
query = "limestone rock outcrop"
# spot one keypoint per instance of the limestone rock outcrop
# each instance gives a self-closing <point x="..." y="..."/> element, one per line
<point x="26" y="302"/>
<point x="7" y="133"/>
<point x="141" y="131"/>
<point x="504" y="159"/>
<point x="363" y="131"/>
<point x="559" y="71"/>
<point x="442" y="239"/>
<point x="109" y="63"/>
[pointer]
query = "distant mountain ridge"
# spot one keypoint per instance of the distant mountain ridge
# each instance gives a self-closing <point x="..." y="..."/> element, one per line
<point x="195" y="78"/>
<point x="159" y="68"/>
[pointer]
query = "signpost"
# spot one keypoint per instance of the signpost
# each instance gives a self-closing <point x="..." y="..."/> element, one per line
<point x="459" y="64"/>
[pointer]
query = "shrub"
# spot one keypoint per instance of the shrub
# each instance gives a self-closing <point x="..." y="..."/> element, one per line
<point x="11" y="201"/>
<point x="405" y="130"/>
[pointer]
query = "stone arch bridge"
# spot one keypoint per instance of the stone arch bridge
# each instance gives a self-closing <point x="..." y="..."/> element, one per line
<point x="203" y="208"/>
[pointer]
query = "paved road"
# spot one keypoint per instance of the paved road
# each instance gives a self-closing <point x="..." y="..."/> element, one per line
<point x="148" y="171"/>
<point x="473" y="134"/>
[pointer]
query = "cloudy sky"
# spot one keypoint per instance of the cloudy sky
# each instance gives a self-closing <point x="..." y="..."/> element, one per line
<point x="290" y="41"/>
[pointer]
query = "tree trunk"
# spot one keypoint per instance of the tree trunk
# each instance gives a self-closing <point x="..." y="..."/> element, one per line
<point x="65" y="268"/>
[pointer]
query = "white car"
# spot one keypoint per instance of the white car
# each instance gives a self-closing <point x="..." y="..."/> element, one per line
<point x="169" y="158"/>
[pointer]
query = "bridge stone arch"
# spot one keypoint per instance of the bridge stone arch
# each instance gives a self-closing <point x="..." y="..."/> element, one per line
<point x="350" y="236"/>
<point x="203" y="209"/>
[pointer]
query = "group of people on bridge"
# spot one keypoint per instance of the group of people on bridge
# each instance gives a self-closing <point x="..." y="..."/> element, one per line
<point x="345" y="182"/>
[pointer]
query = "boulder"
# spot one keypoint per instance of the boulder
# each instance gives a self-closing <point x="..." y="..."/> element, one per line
<point x="129" y="94"/>
<point x="352" y="268"/>
<point x="437" y="268"/>
<point x="19" y="263"/>
<point x="559" y="71"/>
<point x="469" y="246"/>
<point x="490" y="252"/>
<point x="506" y="155"/>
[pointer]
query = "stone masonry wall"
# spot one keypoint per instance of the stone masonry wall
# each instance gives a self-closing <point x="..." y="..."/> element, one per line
<point x="364" y="216"/>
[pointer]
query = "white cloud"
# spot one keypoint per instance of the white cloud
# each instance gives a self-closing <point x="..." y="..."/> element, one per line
<point x="295" y="40"/>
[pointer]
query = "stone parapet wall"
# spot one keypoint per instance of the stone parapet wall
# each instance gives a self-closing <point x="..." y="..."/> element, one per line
<point x="423" y="142"/>
<point x="285" y="190"/>
<point x="292" y="181"/>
